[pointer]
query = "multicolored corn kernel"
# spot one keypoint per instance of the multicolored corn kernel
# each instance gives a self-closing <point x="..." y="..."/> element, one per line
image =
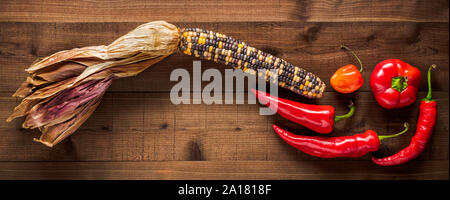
<point x="210" y="45"/>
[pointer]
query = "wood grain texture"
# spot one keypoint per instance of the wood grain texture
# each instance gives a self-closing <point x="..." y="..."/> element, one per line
<point x="137" y="133"/>
<point x="222" y="170"/>
<point x="313" y="46"/>
<point x="224" y="11"/>
<point x="147" y="127"/>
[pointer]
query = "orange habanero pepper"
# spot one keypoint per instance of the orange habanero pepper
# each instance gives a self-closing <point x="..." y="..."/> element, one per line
<point x="348" y="78"/>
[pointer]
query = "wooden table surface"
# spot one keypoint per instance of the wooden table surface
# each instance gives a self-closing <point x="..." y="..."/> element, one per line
<point x="137" y="133"/>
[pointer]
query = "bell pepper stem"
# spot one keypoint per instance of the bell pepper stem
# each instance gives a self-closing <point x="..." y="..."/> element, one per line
<point x="428" y="97"/>
<point x="357" y="58"/>
<point x="406" y="125"/>
<point x="399" y="83"/>
<point x="349" y="114"/>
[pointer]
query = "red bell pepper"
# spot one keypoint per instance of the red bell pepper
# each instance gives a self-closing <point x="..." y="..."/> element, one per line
<point x="395" y="83"/>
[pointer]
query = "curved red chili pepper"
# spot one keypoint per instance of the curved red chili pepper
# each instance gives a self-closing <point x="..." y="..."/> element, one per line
<point x="319" y="118"/>
<point x="332" y="147"/>
<point x="425" y="125"/>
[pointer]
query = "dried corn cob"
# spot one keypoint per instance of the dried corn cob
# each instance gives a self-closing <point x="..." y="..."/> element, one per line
<point x="65" y="88"/>
<point x="221" y="48"/>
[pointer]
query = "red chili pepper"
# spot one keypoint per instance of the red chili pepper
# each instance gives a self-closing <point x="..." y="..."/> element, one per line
<point x="319" y="118"/>
<point x="348" y="78"/>
<point x="332" y="147"/>
<point x="425" y="125"/>
<point x="395" y="83"/>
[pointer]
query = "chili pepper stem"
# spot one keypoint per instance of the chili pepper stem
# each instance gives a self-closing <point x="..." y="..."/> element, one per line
<point x="428" y="97"/>
<point x="349" y="114"/>
<point x="406" y="125"/>
<point x="357" y="58"/>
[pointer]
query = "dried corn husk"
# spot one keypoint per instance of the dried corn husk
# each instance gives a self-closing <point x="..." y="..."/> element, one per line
<point x="63" y="89"/>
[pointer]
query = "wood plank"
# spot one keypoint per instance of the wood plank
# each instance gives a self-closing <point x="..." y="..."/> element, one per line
<point x="224" y="11"/>
<point x="137" y="133"/>
<point x="223" y="170"/>
<point x="148" y="127"/>
<point x="313" y="46"/>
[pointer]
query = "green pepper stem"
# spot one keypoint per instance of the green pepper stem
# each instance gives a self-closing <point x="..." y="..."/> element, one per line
<point x="406" y="125"/>
<point x="349" y="114"/>
<point x="428" y="98"/>
<point x="399" y="83"/>
<point x="357" y="58"/>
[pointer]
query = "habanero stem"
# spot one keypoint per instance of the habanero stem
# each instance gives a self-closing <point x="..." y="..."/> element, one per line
<point x="354" y="54"/>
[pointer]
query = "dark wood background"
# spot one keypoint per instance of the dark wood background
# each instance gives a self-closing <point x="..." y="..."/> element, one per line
<point x="136" y="133"/>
